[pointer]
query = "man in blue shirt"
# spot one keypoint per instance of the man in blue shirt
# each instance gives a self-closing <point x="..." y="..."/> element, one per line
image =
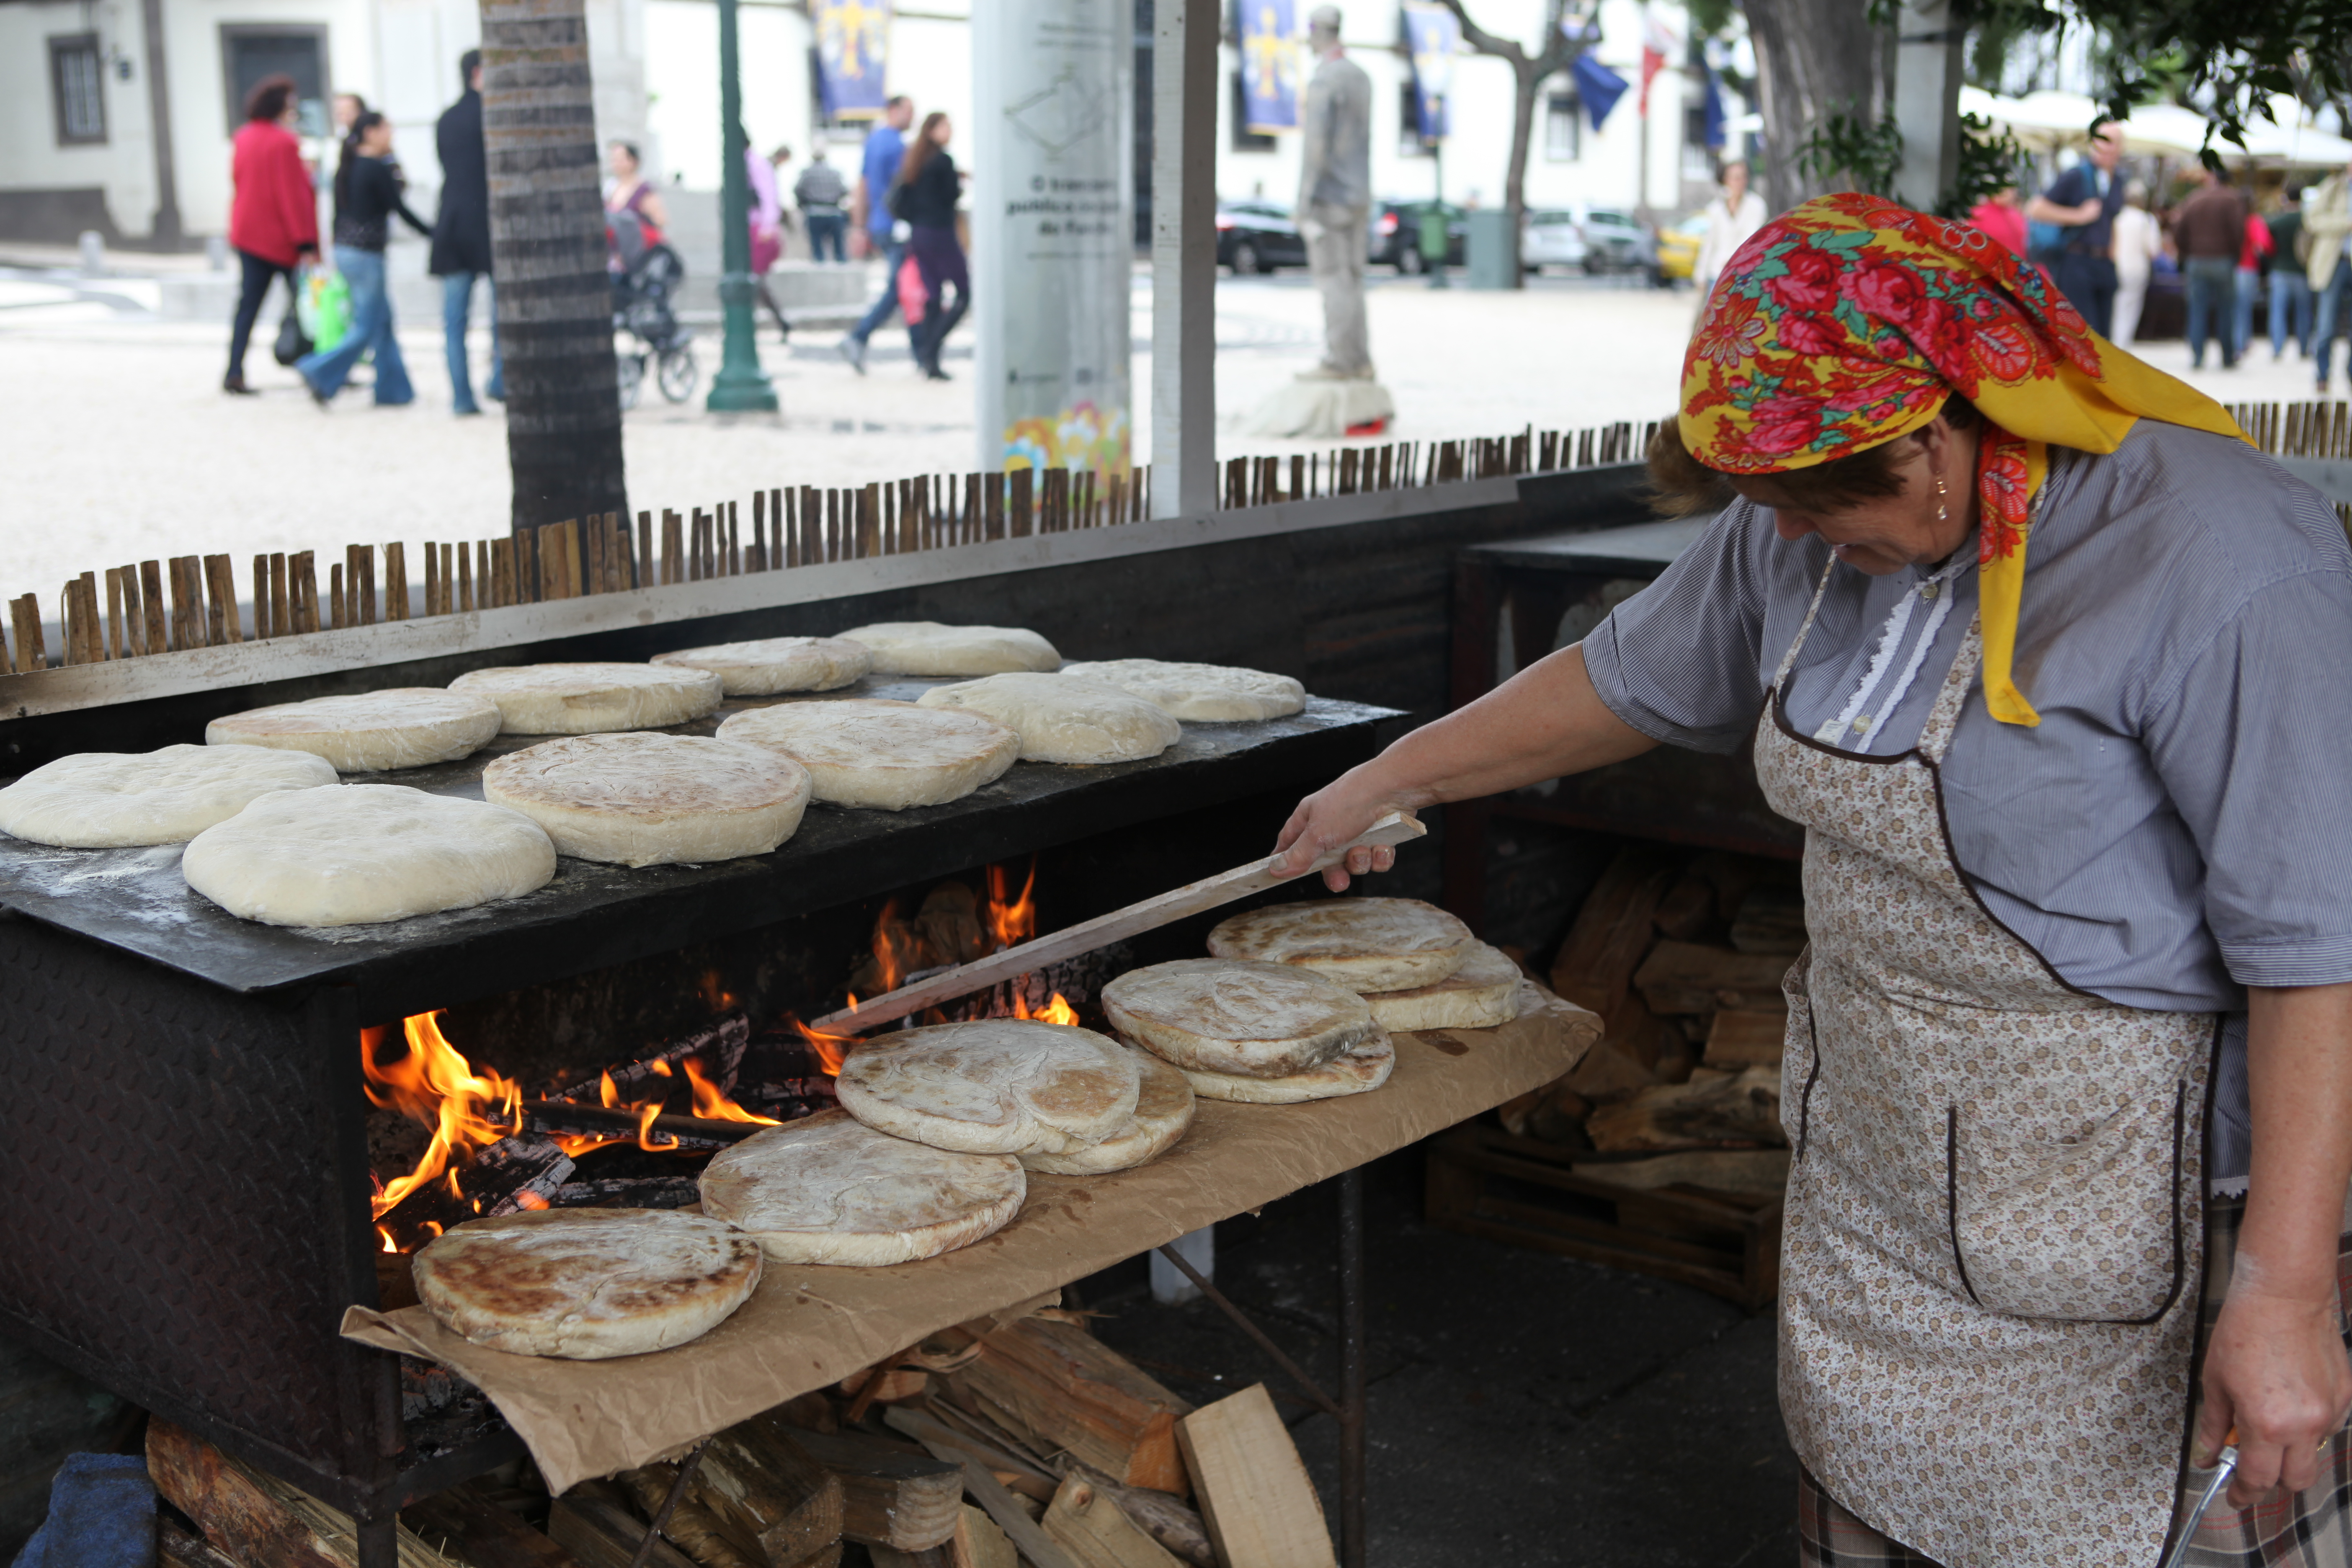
<point x="2082" y="202"/>
<point x="886" y="148"/>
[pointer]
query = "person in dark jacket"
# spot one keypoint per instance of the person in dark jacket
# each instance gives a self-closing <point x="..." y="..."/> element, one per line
<point x="273" y="217"/>
<point x="461" y="237"/>
<point x="367" y="196"/>
<point x="927" y="190"/>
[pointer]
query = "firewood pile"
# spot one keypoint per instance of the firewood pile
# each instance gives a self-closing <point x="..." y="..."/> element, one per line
<point x="1015" y="1441"/>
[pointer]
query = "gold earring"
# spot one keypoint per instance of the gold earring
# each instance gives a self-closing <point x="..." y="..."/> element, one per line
<point x="1941" y="514"/>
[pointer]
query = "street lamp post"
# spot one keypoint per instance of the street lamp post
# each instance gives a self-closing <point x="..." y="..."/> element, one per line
<point x="741" y="384"/>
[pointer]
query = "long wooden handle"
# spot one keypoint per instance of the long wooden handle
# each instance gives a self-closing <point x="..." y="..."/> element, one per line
<point x="1397" y="827"/>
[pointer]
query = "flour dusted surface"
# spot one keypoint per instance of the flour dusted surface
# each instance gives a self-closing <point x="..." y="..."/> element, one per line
<point x="769" y="666"/>
<point x="653" y="800"/>
<point x="1481" y="995"/>
<point x="996" y="1086"/>
<point x="1228" y="1016"/>
<point x="1198" y="693"/>
<point x="1365" y="944"/>
<point x="1164" y="1104"/>
<point x="930" y="647"/>
<point x="870" y="751"/>
<point x="114" y="800"/>
<point x="369" y="732"/>
<point x="589" y="698"/>
<point x="1061" y="719"/>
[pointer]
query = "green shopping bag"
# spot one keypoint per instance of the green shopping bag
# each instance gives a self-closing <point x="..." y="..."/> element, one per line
<point x="325" y="309"/>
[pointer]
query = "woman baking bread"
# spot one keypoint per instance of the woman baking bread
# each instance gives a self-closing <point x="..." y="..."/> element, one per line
<point x="2077" y="826"/>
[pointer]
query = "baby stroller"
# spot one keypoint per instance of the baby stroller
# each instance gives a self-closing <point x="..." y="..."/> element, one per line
<point x="645" y="279"/>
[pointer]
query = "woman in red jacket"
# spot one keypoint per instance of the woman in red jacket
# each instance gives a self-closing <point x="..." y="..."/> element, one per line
<point x="273" y="219"/>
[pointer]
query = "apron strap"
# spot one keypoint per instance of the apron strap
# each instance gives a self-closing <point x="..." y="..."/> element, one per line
<point x="1788" y="659"/>
<point x="1935" y="736"/>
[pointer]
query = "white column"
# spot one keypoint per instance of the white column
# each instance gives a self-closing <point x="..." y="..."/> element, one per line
<point x="1927" y="100"/>
<point x="1184" y="97"/>
<point x="1199" y="1248"/>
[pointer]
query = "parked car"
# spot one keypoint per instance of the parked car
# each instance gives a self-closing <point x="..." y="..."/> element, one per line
<point x="1257" y="235"/>
<point x="1396" y="236"/>
<point x="1597" y="239"/>
<point x="1553" y="238"/>
<point x="1678" y="248"/>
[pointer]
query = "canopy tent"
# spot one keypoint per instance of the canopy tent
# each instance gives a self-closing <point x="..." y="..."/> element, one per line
<point x="2049" y="120"/>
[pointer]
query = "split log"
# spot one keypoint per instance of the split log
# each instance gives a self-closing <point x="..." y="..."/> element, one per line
<point x="983" y="1543"/>
<point x="1713" y="1109"/>
<point x="1168" y="1519"/>
<point x="943" y="1442"/>
<point x="1261" y="1509"/>
<point x="1684" y="977"/>
<point x="1097" y="1531"/>
<point x="1613" y="930"/>
<point x="1039" y="1549"/>
<point x="1741" y="1039"/>
<point x="256" y="1519"/>
<point x="769" y="1493"/>
<point x="892" y="1494"/>
<point x="1072" y="1391"/>
<point x="175" y="1547"/>
<point x="1771" y="919"/>
<point x="463" y="1523"/>
<point x="694" y="1528"/>
<point x="594" y="1523"/>
<point x="1687" y="912"/>
<point x="1626" y="1057"/>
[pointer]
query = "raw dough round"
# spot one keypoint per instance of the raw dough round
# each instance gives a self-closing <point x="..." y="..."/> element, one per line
<point x="1163" y="1109"/>
<point x="1357" y="1070"/>
<point x="867" y="750"/>
<point x="590" y="698"/>
<point x="1481" y="995"/>
<point x="1365" y="944"/>
<point x="1062" y="720"/>
<point x="771" y="664"/>
<point x="929" y="647"/>
<point x="587" y="1284"/>
<point x="364" y="852"/>
<point x="996" y="1086"/>
<point x="369" y="732"/>
<point x="1221" y="1015"/>
<point x="830" y="1189"/>
<point x="1202" y="693"/>
<point x="110" y="800"/>
<point x="653" y="800"/>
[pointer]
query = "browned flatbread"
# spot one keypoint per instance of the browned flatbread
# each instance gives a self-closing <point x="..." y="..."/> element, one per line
<point x="1365" y="944"/>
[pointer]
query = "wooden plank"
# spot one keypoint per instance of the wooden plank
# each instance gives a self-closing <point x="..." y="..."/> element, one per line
<point x="768" y="1491"/>
<point x="594" y="1523"/>
<point x="1040" y="1549"/>
<point x="1075" y="1394"/>
<point x="396" y="581"/>
<point x="1086" y="936"/>
<point x="1261" y="1509"/>
<point x="1092" y="1529"/>
<point x="1745" y="1038"/>
<point x="1613" y="930"/>
<point x="256" y="1519"/>
<point x="892" y="1494"/>
<point x="983" y="1544"/>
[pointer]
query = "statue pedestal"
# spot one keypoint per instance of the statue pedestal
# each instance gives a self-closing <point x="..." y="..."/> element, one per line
<point x="1320" y="408"/>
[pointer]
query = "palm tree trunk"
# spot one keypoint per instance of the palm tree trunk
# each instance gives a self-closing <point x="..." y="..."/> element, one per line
<point x="547" y="249"/>
<point x="1813" y="59"/>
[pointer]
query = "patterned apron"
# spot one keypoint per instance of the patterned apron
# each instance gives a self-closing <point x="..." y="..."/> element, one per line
<point x="1994" y="1228"/>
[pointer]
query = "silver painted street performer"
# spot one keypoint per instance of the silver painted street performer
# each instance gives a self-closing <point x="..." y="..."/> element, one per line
<point x="2056" y="672"/>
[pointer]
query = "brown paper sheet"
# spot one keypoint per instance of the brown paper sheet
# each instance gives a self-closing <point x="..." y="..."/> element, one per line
<point x="806" y="1326"/>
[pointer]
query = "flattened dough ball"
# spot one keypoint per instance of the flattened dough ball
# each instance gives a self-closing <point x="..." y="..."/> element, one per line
<point x="1060" y="719"/>
<point x="771" y="664"/>
<point x="1225" y="1016"/>
<point x="1198" y="693"/>
<point x="996" y="1086"/>
<point x="1365" y="944"/>
<point x="867" y="750"/>
<point x="1164" y="1108"/>
<point x="1482" y="995"/>
<point x="830" y="1189"/>
<point x="369" y="732"/>
<point x="653" y="800"/>
<point x="1358" y="1069"/>
<point x="930" y="647"/>
<point x="362" y="853"/>
<point x="112" y="800"/>
<point x="590" y="699"/>
<point x="587" y="1284"/>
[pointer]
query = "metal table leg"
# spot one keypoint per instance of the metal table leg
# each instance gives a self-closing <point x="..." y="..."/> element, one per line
<point x="379" y="1542"/>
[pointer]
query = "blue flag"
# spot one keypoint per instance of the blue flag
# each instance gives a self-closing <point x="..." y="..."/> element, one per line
<point x="1269" y="65"/>
<point x="1433" y="33"/>
<point x="852" y="54"/>
<point x="1600" y="86"/>
<point x="1715" y="119"/>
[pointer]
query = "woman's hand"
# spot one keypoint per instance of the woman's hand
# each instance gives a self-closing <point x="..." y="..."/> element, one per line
<point x="1340" y="811"/>
<point x="2275" y="1371"/>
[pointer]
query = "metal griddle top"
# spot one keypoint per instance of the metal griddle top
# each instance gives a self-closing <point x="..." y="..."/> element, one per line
<point x="592" y="915"/>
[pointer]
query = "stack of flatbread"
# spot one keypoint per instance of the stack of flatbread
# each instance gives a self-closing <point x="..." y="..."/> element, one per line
<point x="1262" y="1033"/>
<point x="1417" y="966"/>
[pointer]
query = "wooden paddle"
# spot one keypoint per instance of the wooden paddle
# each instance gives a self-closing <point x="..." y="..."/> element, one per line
<point x="1397" y="827"/>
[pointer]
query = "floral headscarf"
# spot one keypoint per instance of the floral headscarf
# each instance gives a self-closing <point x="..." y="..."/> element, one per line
<point x="1848" y="321"/>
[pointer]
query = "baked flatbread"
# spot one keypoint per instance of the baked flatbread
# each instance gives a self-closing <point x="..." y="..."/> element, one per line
<point x="1163" y="1109"/>
<point x="1481" y="995"/>
<point x="1226" y="1016"/>
<point x="1062" y="720"/>
<point x="1365" y="944"/>
<point x="369" y="732"/>
<point x="830" y="1189"/>
<point x="866" y="750"/>
<point x="364" y="852"/>
<point x="653" y="800"/>
<point x="1198" y="693"/>
<point x="1358" y="1069"/>
<point x="996" y="1086"/>
<point x="586" y="1284"/>
<point x="590" y="699"/>
<point x="772" y="665"/>
<point x="113" y="800"/>
<point x="929" y="647"/>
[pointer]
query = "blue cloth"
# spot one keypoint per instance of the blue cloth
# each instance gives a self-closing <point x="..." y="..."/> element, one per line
<point x="2077" y="185"/>
<point x="2211" y="283"/>
<point x="1597" y="85"/>
<point x="457" y="315"/>
<point x="101" y="1515"/>
<point x="893" y="253"/>
<point x="2242" y="321"/>
<point x="2331" y="318"/>
<point x="2290" y="303"/>
<point x="326" y="371"/>
<point x="827" y="229"/>
<point x="885" y="151"/>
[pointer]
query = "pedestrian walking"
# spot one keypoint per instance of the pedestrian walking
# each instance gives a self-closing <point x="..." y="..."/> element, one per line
<point x="367" y="197"/>
<point x="627" y="191"/>
<point x="2139" y="240"/>
<point x="1736" y="213"/>
<point x="2251" y="258"/>
<point x="2327" y="219"/>
<point x="2290" y="287"/>
<point x="273" y="214"/>
<point x="2209" y="230"/>
<point x="820" y="194"/>
<point x="2001" y="216"/>
<point x="877" y="230"/>
<point x="2082" y="202"/>
<point x="461" y="237"/>
<point x="928" y="188"/>
<point x="766" y="219"/>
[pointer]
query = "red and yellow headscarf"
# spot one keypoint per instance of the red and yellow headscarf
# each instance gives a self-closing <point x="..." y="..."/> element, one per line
<point x="1848" y="321"/>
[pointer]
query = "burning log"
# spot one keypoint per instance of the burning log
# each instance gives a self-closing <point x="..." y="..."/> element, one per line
<point x="1073" y="1393"/>
<point x="511" y="1174"/>
<point x="628" y="1192"/>
<point x="657" y="1131"/>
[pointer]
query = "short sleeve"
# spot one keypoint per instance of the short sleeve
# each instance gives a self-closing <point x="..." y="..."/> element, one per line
<point x="2249" y="745"/>
<point x="1679" y="660"/>
<point x="2069" y="189"/>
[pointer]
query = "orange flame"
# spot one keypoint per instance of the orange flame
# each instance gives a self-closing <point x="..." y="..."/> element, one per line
<point x="892" y="944"/>
<point x="716" y="997"/>
<point x="1011" y="921"/>
<point x="385" y="1233"/>
<point x="1058" y="1011"/>
<point x="646" y="1140"/>
<point x="712" y="1105"/>
<point x="436" y="1086"/>
<point x="829" y="1049"/>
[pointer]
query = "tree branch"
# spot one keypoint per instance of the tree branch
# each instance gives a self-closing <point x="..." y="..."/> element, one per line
<point x="1485" y="42"/>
